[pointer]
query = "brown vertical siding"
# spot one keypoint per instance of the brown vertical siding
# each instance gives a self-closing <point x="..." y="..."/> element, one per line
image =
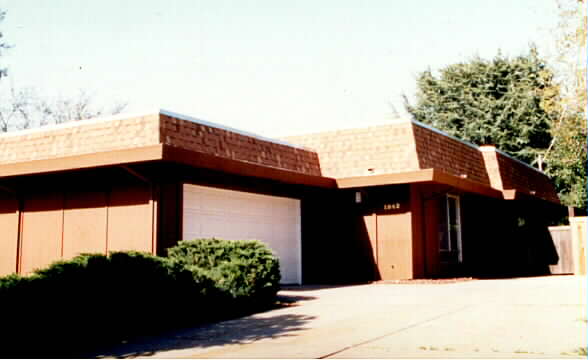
<point x="42" y="230"/>
<point x="9" y="215"/>
<point x="169" y="216"/>
<point x="418" y="245"/>
<point x="84" y="223"/>
<point x="130" y="218"/>
<point x="432" y="209"/>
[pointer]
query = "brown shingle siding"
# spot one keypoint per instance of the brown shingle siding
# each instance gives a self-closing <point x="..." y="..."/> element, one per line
<point x="351" y="152"/>
<point x="516" y="175"/>
<point x="386" y="149"/>
<point x="454" y="157"/>
<point x="232" y="145"/>
<point x="78" y="138"/>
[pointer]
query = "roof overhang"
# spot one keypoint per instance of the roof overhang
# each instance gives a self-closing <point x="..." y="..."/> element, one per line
<point x="196" y="159"/>
<point x="431" y="176"/>
<point x="161" y="153"/>
<point x="517" y="194"/>
<point x="243" y="168"/>
<point x="84" y="161"/>
<point x="417" y="176"/>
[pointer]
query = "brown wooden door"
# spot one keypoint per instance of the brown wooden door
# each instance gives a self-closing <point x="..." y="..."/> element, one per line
<point x="370" y="222"/>
<point x="394" y="246"/>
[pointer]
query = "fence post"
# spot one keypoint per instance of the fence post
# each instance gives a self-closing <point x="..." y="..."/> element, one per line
<point x="579" y="229"/>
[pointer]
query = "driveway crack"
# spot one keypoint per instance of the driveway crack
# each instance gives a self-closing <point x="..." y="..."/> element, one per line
<point x="410" y="326"/>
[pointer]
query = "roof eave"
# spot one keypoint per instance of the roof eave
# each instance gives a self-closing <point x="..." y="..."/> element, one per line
<point x="518" y="194"/>
<point x="386" y="179"/>
<point x="84" y="161"/>
<point x="236" y="167"/>
<point x="433" y="176"/>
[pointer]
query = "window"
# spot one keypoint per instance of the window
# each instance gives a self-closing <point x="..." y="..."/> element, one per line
<point x="450" y="236"/>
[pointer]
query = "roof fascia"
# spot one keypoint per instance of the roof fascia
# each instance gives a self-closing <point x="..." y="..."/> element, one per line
<point x="464" y="184"/>
<point x="237" y="167"/>
<point x="85" y="161"/>
<point x="386" y="179"/>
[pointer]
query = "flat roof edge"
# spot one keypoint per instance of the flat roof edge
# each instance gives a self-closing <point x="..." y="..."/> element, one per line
<point x="82" y="161"/>
<point x="386" y="179"/>
<point x="479" y="148"/>
<point x="231" y="129"/>
<point x="243" y="168"/>
<point x="77" y="123"/>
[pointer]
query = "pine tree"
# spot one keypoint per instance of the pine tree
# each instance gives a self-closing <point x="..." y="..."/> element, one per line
<point x="491" y="102"/>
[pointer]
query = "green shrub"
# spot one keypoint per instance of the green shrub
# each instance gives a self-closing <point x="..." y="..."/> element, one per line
<point x="74" y="305"/>
<point x="242" y="269"/>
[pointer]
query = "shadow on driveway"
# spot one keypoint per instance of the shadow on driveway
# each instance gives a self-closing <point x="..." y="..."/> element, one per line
<point x="236" y="331"/>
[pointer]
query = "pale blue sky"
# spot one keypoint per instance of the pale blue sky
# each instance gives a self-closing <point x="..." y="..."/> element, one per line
<point x="267" y="66"/>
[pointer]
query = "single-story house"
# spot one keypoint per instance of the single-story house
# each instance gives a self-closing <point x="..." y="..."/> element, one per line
<point x="396" y="201"/>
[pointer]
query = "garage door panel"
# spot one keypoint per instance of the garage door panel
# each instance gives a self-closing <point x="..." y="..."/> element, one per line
<point x="235" y="215"/>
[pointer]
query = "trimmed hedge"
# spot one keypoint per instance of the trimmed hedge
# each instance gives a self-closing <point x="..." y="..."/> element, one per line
<point x="92" y="300"/>
<point x="244" y="269"/>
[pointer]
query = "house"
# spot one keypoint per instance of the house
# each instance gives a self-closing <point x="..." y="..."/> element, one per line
<point x="396" y="201"/>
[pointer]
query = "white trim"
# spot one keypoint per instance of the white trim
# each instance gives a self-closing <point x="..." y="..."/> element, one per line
<point x="228" y="128"/>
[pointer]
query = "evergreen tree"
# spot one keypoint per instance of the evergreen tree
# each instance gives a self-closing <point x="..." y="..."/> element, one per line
<point x="491" y="102"/>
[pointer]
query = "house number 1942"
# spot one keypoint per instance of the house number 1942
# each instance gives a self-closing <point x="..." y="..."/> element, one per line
<point x="392" y="206"/>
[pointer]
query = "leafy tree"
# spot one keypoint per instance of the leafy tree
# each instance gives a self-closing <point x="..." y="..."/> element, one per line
<point x="497" y="102"/>
<point x="23" y="108"/>
<point x="3" y="45"/>
<point x="566" y="156"/>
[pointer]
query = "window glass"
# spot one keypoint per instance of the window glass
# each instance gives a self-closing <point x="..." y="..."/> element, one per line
<point x="450" y="230"/>
<point x="452" y="207"/>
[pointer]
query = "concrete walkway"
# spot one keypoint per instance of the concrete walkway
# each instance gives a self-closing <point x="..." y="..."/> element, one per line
<point x="515" y="318"/>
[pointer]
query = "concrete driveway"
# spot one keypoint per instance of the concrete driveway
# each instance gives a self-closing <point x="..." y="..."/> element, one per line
<point x="515" y="318"/>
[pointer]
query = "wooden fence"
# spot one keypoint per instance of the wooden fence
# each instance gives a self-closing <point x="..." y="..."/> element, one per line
<point x="579" y="232"/>
<point x="570" y="243"/>
<point x="562" y="240"/>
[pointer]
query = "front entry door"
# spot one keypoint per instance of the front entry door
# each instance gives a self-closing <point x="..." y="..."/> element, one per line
<point x="390" y="240"/>
<point x="394" y="245"/>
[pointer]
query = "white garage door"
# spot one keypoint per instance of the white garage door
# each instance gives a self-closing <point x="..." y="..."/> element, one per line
<point x="237" y="215"/>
